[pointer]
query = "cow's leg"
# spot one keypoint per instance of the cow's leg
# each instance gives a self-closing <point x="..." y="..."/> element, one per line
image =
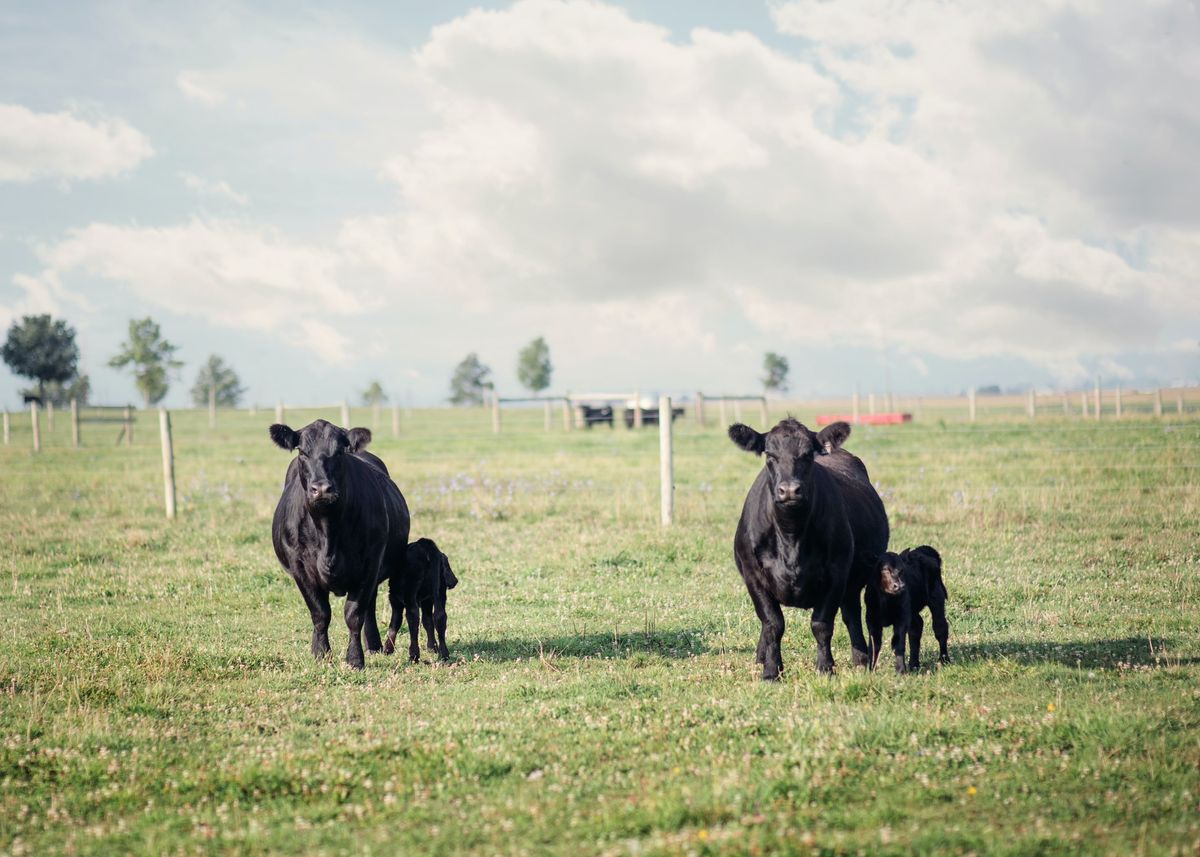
<point x="915" y="627"/>
<point x="852" y="617"/>
<point x="318" y="608"/>
<point x="941" y="629"/>
<point x="439" y="621"/>
<point x="899" y="631"/>
<point x="414" y="625"/>
<point x="355" y="613"/>
<point x="371" y="625"/>
<point x="770" y="654"/>
<point x="822" y="629"/>
<point x="427" y="611"/>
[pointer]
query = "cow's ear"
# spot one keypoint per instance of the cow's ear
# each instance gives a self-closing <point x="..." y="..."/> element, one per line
<point x="359" y="438"/>
<point x="833" y="436"/>
<point x="285" y="437"/>
<point x="747" y="438"/>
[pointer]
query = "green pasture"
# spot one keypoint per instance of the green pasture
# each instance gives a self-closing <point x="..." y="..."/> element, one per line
<point x="157" y="694"/>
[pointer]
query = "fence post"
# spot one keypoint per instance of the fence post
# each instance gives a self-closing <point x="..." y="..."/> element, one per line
<point x="724" y="420"/>
<point x="1118" y="401"/>
<point x="546" y="416"/>
<point x="345" y="414"/>
<point x="566" y="413"/>
<point x="637" y="409"/>
<point x="1157" y="403"/>
<point x="164" y="430"/>
<point x="666" y="473"/>
<point x="1032" y="406"/>
<point x="37" y="429"/>
<point x="971" y="403"/>
<point x="1179" y="402"/>
<point x="395" y="421"/>
<point x="75" y="423"/>
<point x="700" y="409"/>
<point x="1097" y="402"/>
<point x="495" y="413"/>
<point x="279" y="411"/>
<point x="766" y="418"/>
<point x="870" y="403"/>
<point x="7" y="427"/>
<point x="854" y="406"/>
<point x="128" y="425"/>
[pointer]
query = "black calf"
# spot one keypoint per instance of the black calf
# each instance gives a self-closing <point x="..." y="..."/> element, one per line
<point x="902" y="586"/>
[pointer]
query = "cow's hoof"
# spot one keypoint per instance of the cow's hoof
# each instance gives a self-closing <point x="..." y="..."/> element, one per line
<point x="860" y="659"/>
<point x="770" y="677"/>
<point x="389" y="648"/>
<point x="357" y="666"/>
<point x="944" y="659"/>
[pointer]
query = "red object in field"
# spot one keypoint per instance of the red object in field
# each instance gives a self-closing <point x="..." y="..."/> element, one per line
<point x="891" y="419"/>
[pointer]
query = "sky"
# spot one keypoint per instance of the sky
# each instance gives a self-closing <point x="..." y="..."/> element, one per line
<point x="924" y="195"/>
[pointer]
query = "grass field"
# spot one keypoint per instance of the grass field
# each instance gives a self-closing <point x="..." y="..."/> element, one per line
<point x="157" y="693"/>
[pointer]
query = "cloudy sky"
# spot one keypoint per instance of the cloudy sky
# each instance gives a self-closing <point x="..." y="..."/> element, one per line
<point x="943" y="193"/>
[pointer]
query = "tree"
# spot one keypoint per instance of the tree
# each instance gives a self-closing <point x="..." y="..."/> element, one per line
<point x="374" y="395"/>
<point x="151" y="358"/>
<point x="41" y="349"/>
<point x="533" y="366"/>
<point x="215" y="377"/>
<point x="469" y="381"/>
<point x="776" y="367"/>
<point x="78" y="388"/>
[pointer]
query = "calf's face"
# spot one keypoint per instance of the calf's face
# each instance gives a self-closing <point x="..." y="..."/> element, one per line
<point x="322" y="455"/>
<point x="891" y="578"/>
<point x="790" y="449"/>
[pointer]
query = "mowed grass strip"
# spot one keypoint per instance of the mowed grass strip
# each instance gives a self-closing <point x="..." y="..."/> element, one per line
<point x="157" y="695"/>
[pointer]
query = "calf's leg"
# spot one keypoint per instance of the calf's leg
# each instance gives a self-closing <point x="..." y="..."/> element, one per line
<point x="915" y="627"/>
<point x="414" y="624"/>
<point x="439" y="619"/>
<point x="899" y="632"/>
<point x="941" y="629"/>
<point x="427" y="612"/>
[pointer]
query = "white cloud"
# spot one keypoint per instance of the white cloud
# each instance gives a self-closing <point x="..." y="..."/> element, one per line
<point x="194" y="87"/>
<point x="228" y="273"/>
<point x="213" y="188"/>
<point x="61" y="146"/>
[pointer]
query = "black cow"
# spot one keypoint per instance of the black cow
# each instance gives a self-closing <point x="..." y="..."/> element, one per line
<point x="901" y="587"/>
<point x="341" y="526"/>
<point x="811" y="532"/>
<point x="432" y="569"/>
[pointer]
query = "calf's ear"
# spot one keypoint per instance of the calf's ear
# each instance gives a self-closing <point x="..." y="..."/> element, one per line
<point x="833" y="436"/>
<point x="359" y="438"/>
<point x="747" y="438"/>
<point x="284" y="436"/>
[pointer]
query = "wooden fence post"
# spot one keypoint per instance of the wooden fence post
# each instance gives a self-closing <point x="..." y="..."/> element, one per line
<point x="395" y="421"/>
<point x="1097" y="401"/>
<point x="766" y="417"/>
<point x="1118" y="401"/>
<point x="168" y="455"/>
<point x="566" y="413"/>
<point x="7" y="427"/>
<point x="870" y="403"/>
<point x="212" y="405"/>
<point x="75" y="423"/>
<point x="1157" y="402"/>
<point x="495" y="413"/>
<point x="666" y="474"/>
<point x="971" y="403"/>
<point x="345" y="414"/>
<point x="700" y="409"/>
<point x="128" y="414"/>
<point x="279" y="411"/>
<point x="546" y="415"/>
<point x="854" y="407"/>
<point x="37" y="429"/>
<point x="637" y="409"/>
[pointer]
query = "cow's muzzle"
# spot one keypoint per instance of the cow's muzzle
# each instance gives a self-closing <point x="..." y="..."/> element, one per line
<point x="787" y="492"/>
<point x="322" y="493"/>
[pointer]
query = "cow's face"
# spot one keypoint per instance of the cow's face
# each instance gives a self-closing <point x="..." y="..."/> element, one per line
<point x="891" y="576"/>
<point x="323" y="447"/>
<point x="790" y="449"/>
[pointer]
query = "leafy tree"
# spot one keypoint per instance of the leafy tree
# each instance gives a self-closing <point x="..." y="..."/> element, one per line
<point x="776" y="367"/>
<point x="151" y="358"/>
<point x="374" y="395"/>
<point x="471" y="378"/>
<point x="78" y="388"/>
<point x="534" y="367"/>
<point x="216" y="376"/>
<point x="41" y="349"/>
